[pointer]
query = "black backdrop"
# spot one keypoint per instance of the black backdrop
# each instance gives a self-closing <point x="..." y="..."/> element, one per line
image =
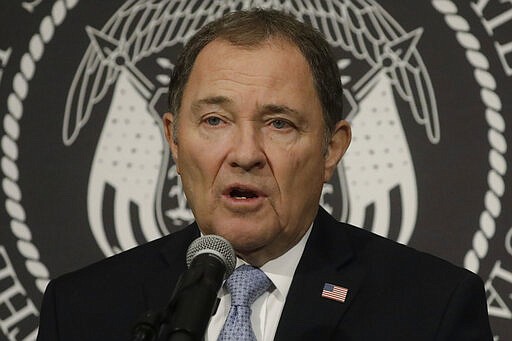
<point x="85" y="171"/>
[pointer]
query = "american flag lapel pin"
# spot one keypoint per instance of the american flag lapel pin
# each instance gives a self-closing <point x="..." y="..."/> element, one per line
<point x="334" y="292"/>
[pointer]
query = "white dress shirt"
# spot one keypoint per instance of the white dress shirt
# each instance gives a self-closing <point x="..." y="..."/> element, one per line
<point x="266" y="310"/>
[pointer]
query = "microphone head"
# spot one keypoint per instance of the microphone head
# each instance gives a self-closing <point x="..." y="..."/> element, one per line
<point x="215" y="245"/>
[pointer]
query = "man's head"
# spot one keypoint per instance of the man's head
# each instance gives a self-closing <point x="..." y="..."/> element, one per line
<point x="250" y="143"/>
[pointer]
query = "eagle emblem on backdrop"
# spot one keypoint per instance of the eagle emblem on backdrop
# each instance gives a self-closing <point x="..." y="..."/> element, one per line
<point x="134" y="193"/>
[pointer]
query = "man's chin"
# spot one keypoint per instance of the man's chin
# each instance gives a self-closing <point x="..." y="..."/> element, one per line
<point x="245" y="243"/>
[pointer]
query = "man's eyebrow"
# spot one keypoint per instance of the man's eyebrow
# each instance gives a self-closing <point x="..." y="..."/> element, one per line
<point x="279" y="109"/>
<point x="215" y="100"/>
<point x="223" y="100"/>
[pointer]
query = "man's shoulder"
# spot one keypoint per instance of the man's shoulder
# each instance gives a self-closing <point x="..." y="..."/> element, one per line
<point x="134" y="263"/>
<point x="117" y="289"/>
<point x="385" y="257"/>
<point x="402" y="258"/>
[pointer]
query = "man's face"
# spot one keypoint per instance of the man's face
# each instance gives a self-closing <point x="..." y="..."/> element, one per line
<point x="250" y="146"/>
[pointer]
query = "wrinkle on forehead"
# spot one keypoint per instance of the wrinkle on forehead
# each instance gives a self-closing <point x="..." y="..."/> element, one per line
<point x="265" y="108"/>
<point x="226" y="55"/>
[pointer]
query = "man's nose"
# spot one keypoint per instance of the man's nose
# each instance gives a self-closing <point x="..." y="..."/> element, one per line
<point x="247" y="151"/>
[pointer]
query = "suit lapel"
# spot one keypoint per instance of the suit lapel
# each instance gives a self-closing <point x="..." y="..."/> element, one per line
<point x="327" y="258"/>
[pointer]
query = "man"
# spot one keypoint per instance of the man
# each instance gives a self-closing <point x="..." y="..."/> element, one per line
<point x="255" y="129"/>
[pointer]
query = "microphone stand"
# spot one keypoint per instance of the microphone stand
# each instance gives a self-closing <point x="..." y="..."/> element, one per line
<point x="190" y="308"/>
<point x="147" y="328"/>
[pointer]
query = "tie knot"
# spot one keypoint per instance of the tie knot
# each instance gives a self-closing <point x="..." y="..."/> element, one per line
<point x="246" y="284"/>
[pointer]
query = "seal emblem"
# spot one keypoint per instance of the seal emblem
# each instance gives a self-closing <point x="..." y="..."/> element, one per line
<point x="87" y="173"/>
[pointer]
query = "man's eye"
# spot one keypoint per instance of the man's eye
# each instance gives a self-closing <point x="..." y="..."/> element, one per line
<point x="213" y="120"/>
<point x="280" y="124"/>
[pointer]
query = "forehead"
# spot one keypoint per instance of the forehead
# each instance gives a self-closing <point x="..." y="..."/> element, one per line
<point x="272" y="68"/>
<point x="265" y="57"/>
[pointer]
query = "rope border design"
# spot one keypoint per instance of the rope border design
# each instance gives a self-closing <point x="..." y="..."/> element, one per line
<point x="496" y="138"/>
<point x="9" y="145"/>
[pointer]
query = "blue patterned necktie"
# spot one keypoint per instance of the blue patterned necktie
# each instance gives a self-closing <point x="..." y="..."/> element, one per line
<point x="245" y="285"/>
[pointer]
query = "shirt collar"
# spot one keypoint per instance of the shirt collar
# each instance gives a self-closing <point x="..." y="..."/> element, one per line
<point x="281" y="269"/>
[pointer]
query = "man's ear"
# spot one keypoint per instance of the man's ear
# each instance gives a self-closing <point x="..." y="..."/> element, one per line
<point x="338" y="145"/>
<point x="170" y="131"/>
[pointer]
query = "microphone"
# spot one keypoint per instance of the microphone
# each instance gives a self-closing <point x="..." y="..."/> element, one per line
<point x="210" y="259"/>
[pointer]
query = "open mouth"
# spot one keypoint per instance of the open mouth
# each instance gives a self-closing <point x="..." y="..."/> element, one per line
<point x="242" y="194"/>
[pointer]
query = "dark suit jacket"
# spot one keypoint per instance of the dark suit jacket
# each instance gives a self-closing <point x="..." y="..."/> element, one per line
<point x="394" y="292"/>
